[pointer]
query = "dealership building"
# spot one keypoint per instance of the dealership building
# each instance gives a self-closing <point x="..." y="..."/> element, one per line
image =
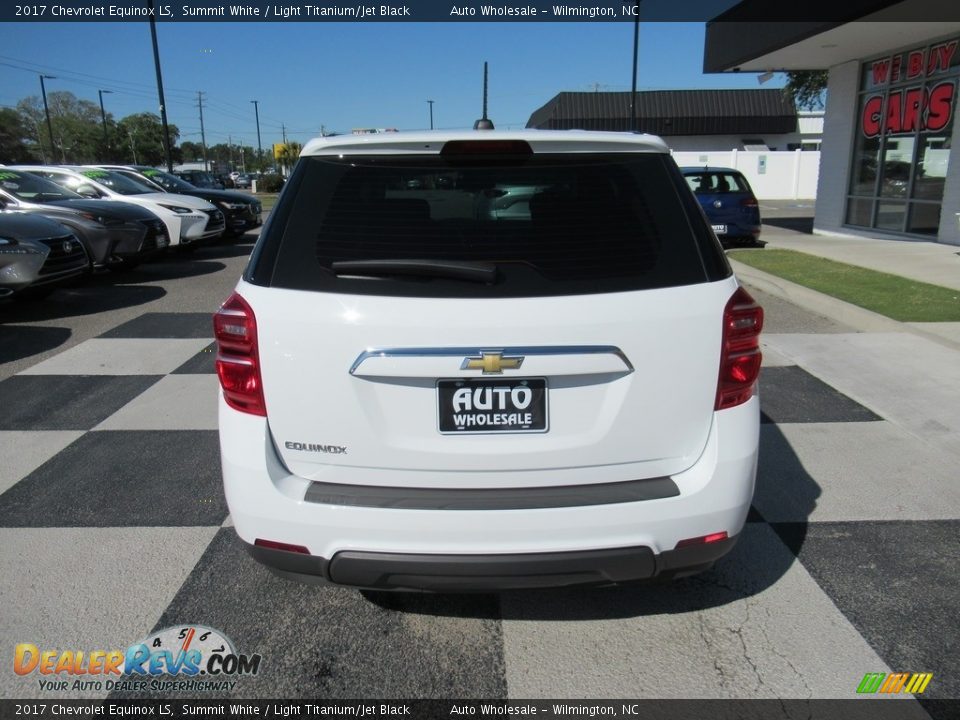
<point x="886" y="166"/>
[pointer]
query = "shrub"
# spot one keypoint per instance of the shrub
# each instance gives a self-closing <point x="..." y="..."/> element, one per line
<point x="269" y="183"/>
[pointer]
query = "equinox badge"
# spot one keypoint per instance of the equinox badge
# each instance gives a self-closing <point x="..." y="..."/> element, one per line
<point x="492" y="363"/>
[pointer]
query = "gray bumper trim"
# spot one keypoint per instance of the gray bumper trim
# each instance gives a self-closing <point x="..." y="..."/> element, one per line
<point x="491" y="498"/>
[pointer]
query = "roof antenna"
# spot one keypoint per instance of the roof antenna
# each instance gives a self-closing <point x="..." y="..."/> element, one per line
<point x="484" y="123"/>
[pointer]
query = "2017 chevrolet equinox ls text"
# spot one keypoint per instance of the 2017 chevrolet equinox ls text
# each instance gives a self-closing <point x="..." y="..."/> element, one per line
<point x="421" y="394"/>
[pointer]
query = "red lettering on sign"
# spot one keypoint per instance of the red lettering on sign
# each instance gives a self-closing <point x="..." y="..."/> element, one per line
<point x="881" y="71"/>
<point x="871" y="116"/>
<point x="911" y="109"/>
<point x="915" y="64"/>
<point x="893" y="112"/>
<point x="940" y="105"/>
<point x="895" y="69"/>
<point x="945" y="54"/>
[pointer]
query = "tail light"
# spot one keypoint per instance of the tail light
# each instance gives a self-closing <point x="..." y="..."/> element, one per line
<point x="740" y="351"/>
<point x="749" y="202"/>
<point x="238" y="361"/>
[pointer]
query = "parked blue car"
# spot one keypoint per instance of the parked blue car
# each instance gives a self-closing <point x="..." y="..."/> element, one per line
<point x="728" y="201"/>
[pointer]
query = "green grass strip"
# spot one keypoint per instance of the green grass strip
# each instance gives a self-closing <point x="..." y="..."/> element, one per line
<point x="891" y="295"/>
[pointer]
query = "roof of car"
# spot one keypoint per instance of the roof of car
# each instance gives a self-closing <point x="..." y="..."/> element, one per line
<point x="431" y="142"/>
<point x="707" y="168"/>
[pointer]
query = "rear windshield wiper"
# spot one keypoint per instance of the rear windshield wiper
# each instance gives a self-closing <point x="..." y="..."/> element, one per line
<point x="482" y="272"/>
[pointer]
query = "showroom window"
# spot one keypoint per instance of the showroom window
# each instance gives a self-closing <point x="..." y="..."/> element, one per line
<point x="906" y="105"/>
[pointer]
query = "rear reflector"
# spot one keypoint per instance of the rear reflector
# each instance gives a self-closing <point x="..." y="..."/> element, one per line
<point x="238" y="360"/>
<point x="749" y="202"/>
<point x="740" y="350"/>
<point x="286" y="547"/>
<point x="703" y="539"/>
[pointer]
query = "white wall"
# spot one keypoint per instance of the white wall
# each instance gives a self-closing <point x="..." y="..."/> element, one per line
<point x="787" y="175"/>
<point x="712" y="143"/>
<point x="950" y="214"/>
<point x="839" y="127"/>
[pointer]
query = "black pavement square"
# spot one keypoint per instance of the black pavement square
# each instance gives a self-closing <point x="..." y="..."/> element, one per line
<point x="792" y="395"/>
<point x="897" y="583"/>
<point x="332" y="642"/>
<point x="123" y="479"/>
<point x="165" y="325"/>
<point x="66" y="402"/>
<point x="203" y="363"/>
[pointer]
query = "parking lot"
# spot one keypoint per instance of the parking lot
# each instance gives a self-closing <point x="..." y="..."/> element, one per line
<point x="114" y="525"/>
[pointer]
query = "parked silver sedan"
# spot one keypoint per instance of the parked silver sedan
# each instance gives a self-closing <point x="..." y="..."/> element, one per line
<point x="117" y="234"/>
<point x="38" y="253"/>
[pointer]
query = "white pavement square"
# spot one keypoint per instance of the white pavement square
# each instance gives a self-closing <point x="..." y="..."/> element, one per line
<point x="123" y="356"/>
<point x="823" y="472"/>
<point x="176" y="402"/>
<point x="22" y="452"/>
<point x="777" y="636"/>
<point x="909" y="380"/>
<point x="88" y="589"/>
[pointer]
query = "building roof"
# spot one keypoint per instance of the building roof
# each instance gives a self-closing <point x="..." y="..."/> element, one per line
<point x="671" y="112"/>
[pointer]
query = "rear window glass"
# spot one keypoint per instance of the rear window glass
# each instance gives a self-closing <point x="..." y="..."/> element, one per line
<point x="549" y="223"/>
<point x="717" y="182"/>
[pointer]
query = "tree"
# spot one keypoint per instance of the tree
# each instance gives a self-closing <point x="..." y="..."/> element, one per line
<point x="13" y="134"/>
<point x="140" y="137"/>
<point x="807" y="88"/>
<point x="76" y="124"/>
<point x="288" y="153"/>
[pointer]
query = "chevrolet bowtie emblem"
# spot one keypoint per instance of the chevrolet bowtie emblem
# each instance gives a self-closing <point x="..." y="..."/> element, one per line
<point x="492" y="363"/>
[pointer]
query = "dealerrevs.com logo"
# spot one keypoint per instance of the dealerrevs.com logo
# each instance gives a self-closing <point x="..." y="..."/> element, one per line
<point x="183" y="658"/>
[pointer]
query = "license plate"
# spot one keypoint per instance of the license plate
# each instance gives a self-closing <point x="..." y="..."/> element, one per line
<point x="720" y="229"/>
<point x="482" y="405"/>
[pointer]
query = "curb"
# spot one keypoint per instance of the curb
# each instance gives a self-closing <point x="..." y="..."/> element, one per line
<point x="858" y="318"/>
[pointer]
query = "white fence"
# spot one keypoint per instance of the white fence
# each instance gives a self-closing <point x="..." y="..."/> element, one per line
<point x="774" y="175"/>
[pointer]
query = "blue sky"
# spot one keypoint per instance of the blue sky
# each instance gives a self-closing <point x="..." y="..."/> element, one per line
<point x="346" y="75"/>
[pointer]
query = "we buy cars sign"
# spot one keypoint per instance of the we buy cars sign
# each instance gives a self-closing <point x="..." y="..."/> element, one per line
<point x="925" y="99"/>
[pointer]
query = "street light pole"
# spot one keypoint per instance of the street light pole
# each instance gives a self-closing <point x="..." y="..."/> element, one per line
<point x="103" y="114"/>
<point x="163" y="104"/>
<point x="256" y="111"/>
<point x="636" y="47"/>
<point x="46" y="109"/>
<point x="430" y="102"/>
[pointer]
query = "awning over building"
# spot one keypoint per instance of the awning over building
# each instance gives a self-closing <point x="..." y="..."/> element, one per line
<point x="671" y="112"/>
<point x="853" y="29"/>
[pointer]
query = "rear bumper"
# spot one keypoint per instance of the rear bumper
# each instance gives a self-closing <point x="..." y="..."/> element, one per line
<point x="376" y="543"/>
<point x="488" y="573"/>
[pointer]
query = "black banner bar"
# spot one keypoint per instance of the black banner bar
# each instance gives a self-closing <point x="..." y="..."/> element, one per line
<point x="892" y="708"/>
<point x="476" y="11"/>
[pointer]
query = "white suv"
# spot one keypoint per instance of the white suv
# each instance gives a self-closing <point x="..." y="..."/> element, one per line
<point x="422" y="394"/>
<point x="188" y="219"/>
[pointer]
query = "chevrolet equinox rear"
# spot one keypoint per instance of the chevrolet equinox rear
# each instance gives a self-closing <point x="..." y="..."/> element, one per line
<point x="488" y="360"/>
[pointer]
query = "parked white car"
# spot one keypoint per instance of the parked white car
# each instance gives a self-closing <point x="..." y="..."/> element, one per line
<point x="189" y="220"/>
<point x="420" y="394"/>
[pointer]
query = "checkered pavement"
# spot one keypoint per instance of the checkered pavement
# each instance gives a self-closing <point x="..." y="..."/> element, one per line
<point x="113" y="524"/>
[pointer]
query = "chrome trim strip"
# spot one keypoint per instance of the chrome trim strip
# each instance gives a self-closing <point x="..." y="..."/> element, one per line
<point x="511" y="350"/>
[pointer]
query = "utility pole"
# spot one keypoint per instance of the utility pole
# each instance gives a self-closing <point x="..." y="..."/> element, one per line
<point x="284" y="130"/>
<point x="133" y="149"/>
<point x="103" y="114"/>
<point x="230" y="146"/>
<point x="256" y="112"/>
<point x="163" y="104"/>
<point x="430" y="103"/>
<point x="46" y="109"/>
<point x="203" y="137"/>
